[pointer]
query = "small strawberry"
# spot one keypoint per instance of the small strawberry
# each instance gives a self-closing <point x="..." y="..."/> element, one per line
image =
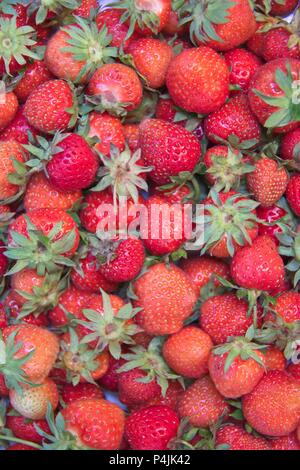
<point x="290" y="146"/>
<point x="242" y="65"/>
<point x="171" y="398"/>
<point x="151" y="428"/>
<point x="81" y="391"/>
<point x="293" y="193"/>
<point x="35" y="74"/>
<point x="201" y="270"/>
<point x="88" y="276"/>
<point x="270" y="215"/>
<point x="24" y="428"/>
<point x="275" y="396"/>
<point x="108" y="129"/>
<point x="256" y="42"/>
<point x="234" y="437"/>
<point x="14" y="311"/>
<point x="166" y="110"/>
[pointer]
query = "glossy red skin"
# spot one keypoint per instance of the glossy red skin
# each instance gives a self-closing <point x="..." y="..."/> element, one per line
<point x="73" y="300"/>
<point x="46" y="107"/>
<point x="108" y="129"/>
<point x="17" y="129"/>
<point x="16" y="447"/>
<point x="3" y="260"/>
<point x="270" y="215"/>
<point x="290" y="146"/>
<point x="117" y="83"/>
<point x="111" y="19"/>
<point x="256" y="42"/>
<point x="3" y="317"/>
<point x="201" y="269"/>
<point x="14" y="310"/>
<point x="35" y="74"/>
<point x="169" y="148"/>
<point x="75" y="167"/>
<point x="265" y="268"/>
<point x="131" y="133"/>
<point x="93" y="279"/>
<point x="82" y="391"/>
<point x="293" y="193"/>
<point x="242" y="65"/>
<point x="130" y="257"/>
<point x="24" y="428"/>
<point x="289" y="442"/>
<point x="274" y="359"/>
<point x="110" y="379"/>
<point x="165" y="110"/>
<point x="275" y="45"/>
<point x="287" y="306"/>
<point x="132" y="392"/>
<point x="172" y="27"/>
<point x="45" y="220"/>
<point x="239" y="439"/>
<point x="151" y="428"/>
<point x="172" y="397"/>
<point x="233" y="118"/>
<point x="264" y="81"/>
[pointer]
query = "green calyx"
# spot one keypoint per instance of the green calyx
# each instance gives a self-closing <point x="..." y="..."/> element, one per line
<point x="105" y="102"/>
<point x="8" y="6"/>
<point x="41" y="151"/>
<point x="109" y="329"/>
<point x="16" y="43"/>
<point x="135" y="14"/>
<point x="231" y="219"/>
<point x="290" y="247"/>
<point x="288" y="104"/>
<point x="204" y="439"/>
<point x="39" y="251"/>
<point x="43" y="7"/>
<point x="203" y="16"/>
<point x="87" y="44"/>
<point x="151" y="362"/>
<point x="122" y="172"/>
<point x="10" y="366"/>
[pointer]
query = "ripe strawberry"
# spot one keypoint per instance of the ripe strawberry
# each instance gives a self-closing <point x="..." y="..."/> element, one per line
<point x="201" y="269"/>
<point x="8" y="109"/>
<point x="14" y="311"/>
<point x="115" y="88"/>
<point x="110" y="379"/>
<point x="16" y="447"/>
<point x="3" y="317"/>
<point x="193" y="360"/>
<point x="242" y="65"/>
<point x="41" y="194"/>
<point x="198" y="80"/>
<point x="168" y="148"/>
<point x="108" y="129"/>
<point x="289" y="442"/>
<point x="71" y="301"/>
<point x="17" y="129"/>
<point x="118" y="30"/>
<point x="267" y="182"/>
<point x="132" y="391"/>
<point x="177" y="195"/>
<point x="236" y="438"/>
<point x="274" y="359"/>
<point x="287" y="306"/>
<point x="276" y="396"/>
<point x="270" y="215"/>
<point x="32" y="402"/>
<point x="293" y="193"/>
<point x="171" y="398"/>
<point x="173" y="27"/>
<point x="151" y="428"/>
<point x="131" y="133"/>
<point x="51" y="107"/>
<point x="10" y="150"/>
<point x="224" y="316"/>
<point x="23" y="428"/>
<point x="280" y="8"/>
<point x="256" y="42"/>
<point x="294" y="370"/>
<point x="272" y="105"/>
<point x="44" y="347"/>
<point x="166" y="110"/>
<point x="236" y="367"/>
<point x="81" y="391"/>
<point x="265" y="268"/>
<point x="290" y="145"/>
<point x="234" y="118"/>
<point x="34" y="75"/>
<point x="202" y="404"/>
<point x="276" y="45"/>
<point x="85" y="8"/>
<point x="151" y="58"/>
<point x="89" y="277"/>
<point x="164" y="308"/>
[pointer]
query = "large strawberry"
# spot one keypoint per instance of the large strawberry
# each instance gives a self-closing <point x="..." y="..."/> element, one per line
<point x="198" y="80"/>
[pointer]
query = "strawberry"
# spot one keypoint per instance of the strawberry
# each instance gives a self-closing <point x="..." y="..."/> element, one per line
<point x="151" y="58"/>
<point x="110" y="379"/>
<point x="222" y="27"/>
<point x="267" y="182"/>
<point x="201" y="269"/>
<point x="198" y="80"/>
<point x="118" y="30"/>
<point x="202" y="404"/>
<point x="274" y="359"/>
<point x="108" y="129"/>
<point x="273" y="105"/>
<point x="293" y="192"/>
<point x="81" y="391"/>
<point x="294" y="370"/>
<point x="8" y="109"/>
<point x="193" y="361"/>
<point x="24" y="428"/>
<point x="131" y="133"/>
<point x="51" y="107"/>
<point x="265" y="268"/>
<point x="270" y="215"/>
<point x="236" y="367"/>
<point x="89" y="277"/>
<point x="236" y="438"/>
<point x="115" y="88"/>
<point x="21" y="447"/>
<point x="10" y="151"/>
<point x="287" y="306"/>
<point x="72" y="301"/>
<point x="289" y="442"/>
<point x="275" y="396"/>
<point x="41" y="194"/>
<point x="173" y="27"/>
<point x="281" y="8"/>
<point x="17" y="129"/>
<point x="166" y="110"/>
<point x="164" y="308"/>
<point x="290" y="145"/>
<point x="242" y="65"/>
<point x="32" y="402"/>
<point x="224" y="316"/>
<point x="14" y="311"/>
<point x="234" y="118"/>
<point x="256" y="42"/>
<point x="168" y="148"/>
<point x="151" y="428"/>
<point x="277" y="45"/>
<point x="133" y="391"/>
<point x="34" y="75"/>
<point x="171" y="398"/>
<point x="85" y="8"/>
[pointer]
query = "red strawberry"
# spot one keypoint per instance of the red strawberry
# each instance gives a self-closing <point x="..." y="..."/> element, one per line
<point x="9" y="150"/>
<point x="14" y="310"/>
<point x="256" y="42"/>
<point x="50" y="107"/>
<point x="236" y="438"/>
<point x="165" y="110"/>
<point x="168" y="148"/>
<point x="16" y="447"/>
<point x="201" y="269"/>
<point x="276" y="396"/>
<point x="110" y="18"/>
<point x="281" y="8"/>
<point x="242" y="65"/>
<point x="110" y="379"/>
<point x="25" y="429"/>
<point x="89" y="276"/>
<point x="81" y="391"/>
<point x="198" y="80"/>
<point x="8" y="109"/>
<point x="133" y="391"/>
<point x="131" y="134"/>
<point x="171" y="398"/>
<point x="270" y="214"/>
<point x="108" y="129"/>
<point x="151" y="428"/>
<point x="287" y="306"/>
<point x="34" y="75"/>
<point x="294" y="370"/>
<point x="265" y="268"/>
<point x="274" y="359"/>
<point x="73" y="301"/>
<point x="17" y="129"/>
<point x="276" y="45"/>
<point x="289" y="442"/>
<point x="293" y="193"/>
<point x="234" y="118"/>
<point x="290" y="145"/>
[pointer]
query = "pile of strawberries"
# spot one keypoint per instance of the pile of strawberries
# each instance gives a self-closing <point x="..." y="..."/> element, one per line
<point x="165" y="104"/>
